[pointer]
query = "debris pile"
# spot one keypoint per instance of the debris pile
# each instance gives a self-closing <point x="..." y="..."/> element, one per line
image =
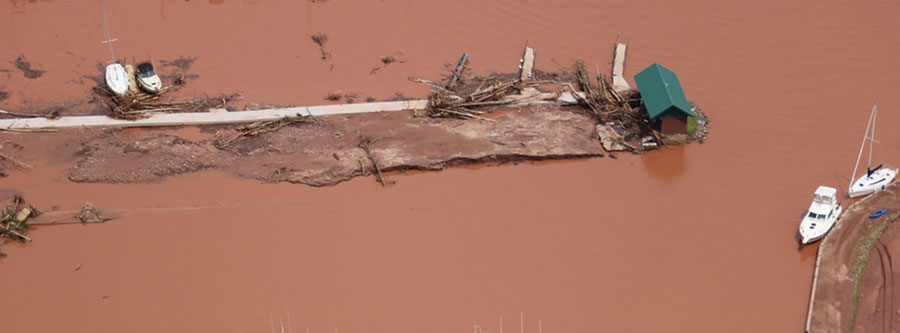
<point x="90" y="214"/>
<point x="261" y="127"/>
<point x="461" y="104"/>
<point x="618" y="112"/>
<point x="13" y="220"/>
<point x="138" y="105"/>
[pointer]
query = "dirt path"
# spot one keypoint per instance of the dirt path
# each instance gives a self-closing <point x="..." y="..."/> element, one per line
<point x="854" y="256"/>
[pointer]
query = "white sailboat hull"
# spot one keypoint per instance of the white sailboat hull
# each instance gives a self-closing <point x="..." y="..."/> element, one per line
<point x="117" y="79"/>
<point x="868" y="184"/>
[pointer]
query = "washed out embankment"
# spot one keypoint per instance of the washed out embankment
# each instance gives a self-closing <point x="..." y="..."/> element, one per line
<point x="326" y="150"/>
<point x="854" y="289"/>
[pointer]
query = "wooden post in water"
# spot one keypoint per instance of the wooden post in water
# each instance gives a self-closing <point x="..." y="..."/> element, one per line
<point x="526" y="69"/>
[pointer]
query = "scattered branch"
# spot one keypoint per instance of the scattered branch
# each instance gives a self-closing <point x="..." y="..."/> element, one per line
<point x="364" y="143"/>
<point x="261" y="127"/>
<point x="14" y="161"/>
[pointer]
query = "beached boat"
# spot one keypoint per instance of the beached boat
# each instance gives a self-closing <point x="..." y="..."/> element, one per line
<point x="877" y="178"/>
<point x="147" y="78"/>
<point x="821" y="216"/>
<point x="116" y="76"/>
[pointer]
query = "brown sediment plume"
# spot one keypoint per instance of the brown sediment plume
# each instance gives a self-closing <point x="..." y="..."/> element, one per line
<point x="590" y="245"/>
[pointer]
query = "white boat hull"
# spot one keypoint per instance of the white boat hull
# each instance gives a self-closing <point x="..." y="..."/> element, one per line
<point x="117" y="79"/>
<point x="150" y="84"/>
<point x="868" y="184"/>
<point x="813" y="230"/>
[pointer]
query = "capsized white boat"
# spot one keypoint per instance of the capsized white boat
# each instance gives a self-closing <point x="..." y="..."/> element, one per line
<point x="821" y="216"/>
<point x="875" y="179"/>
<point x="117" y="78"/>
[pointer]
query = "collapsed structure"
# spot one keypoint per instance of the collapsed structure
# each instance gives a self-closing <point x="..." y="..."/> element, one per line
<point x="657" y="113"/>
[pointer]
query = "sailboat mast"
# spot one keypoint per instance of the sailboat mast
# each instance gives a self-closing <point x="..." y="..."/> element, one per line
<point x="861" y="147"/>
<point x="872" y="138"/>
<point x="106" y="27"/>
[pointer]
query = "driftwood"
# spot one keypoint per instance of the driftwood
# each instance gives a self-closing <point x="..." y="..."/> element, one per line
<point x="445" y="102"/>
<point x="364" y="143"/>
<point x="49" y="115"/>
<point x="261" y="127"/>
<point x="28" y="130"/>
<point x="138" y="105"/>
<point x="606" y="105"/>
<point x="14" y="161"/>
<point x="89" y="213"/>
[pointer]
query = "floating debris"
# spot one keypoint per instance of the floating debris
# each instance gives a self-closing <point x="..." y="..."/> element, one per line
<point x="13" y="220"/>
<point x="23" y="65"/>
<point x="320" y="40"/>
<point x="88" y="213"/>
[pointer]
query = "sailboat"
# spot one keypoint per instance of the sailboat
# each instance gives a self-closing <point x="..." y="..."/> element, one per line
<point x="116" y="76"/>
<point x="875" y="179"/>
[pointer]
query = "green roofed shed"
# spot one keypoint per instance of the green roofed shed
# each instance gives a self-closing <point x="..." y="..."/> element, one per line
<point x="661" y="92"/>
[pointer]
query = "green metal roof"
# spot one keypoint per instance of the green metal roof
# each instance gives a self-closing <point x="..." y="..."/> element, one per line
<point x="662" y="93"/>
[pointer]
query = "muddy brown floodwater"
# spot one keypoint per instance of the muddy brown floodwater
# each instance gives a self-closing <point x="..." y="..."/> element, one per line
<point x="690" y="239"/>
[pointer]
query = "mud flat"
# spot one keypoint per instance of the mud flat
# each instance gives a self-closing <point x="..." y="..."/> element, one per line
<point x="326" y="150"/>
<point x="854" y="290"/>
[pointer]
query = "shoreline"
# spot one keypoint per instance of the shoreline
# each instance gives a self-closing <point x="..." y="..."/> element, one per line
<point x="845" y="253"/>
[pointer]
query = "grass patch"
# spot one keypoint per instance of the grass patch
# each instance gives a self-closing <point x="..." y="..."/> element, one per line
<point x="866" y="245"/>
<point x="691" y="125"/>
<point x="388" y="60"/>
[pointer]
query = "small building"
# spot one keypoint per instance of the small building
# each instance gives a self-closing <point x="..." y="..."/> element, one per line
<point x="664" y="99"/>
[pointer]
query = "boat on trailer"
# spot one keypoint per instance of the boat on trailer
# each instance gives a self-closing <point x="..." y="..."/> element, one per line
<point x="877" y="178"/>
<point x="822" y="215"/>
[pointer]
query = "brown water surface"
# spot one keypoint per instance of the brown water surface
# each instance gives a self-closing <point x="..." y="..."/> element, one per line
<point x="696" y="238"/>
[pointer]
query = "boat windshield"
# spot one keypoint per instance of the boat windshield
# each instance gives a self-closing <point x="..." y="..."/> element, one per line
<point x="816" y="216"/>
<point x="821" y="199"/>
<point x="145" y="69"/>
<point x="149" y="73"/>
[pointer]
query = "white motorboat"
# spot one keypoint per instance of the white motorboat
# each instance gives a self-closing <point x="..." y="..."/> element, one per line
<point x="821" y="216"/>
<point x="147" y="78"/>
<point x="116" y="76"/>
<point x="877" y="178"/>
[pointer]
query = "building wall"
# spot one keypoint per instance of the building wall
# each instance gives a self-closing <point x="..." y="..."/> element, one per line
<point x="674" y="125"/>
